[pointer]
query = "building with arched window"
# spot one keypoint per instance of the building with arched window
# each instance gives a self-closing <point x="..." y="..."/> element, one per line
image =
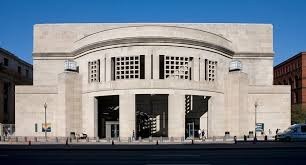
<point x="170" y="80"/>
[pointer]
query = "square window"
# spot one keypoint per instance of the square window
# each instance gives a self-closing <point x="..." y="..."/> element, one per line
<point x="122" y="77"/>
<point x="132" y="76"/>
<point x="132" y="58"/>
<point x="136" y="76"/>
<point x="172" y="58"/>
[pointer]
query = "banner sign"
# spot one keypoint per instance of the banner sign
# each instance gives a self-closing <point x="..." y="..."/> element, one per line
<point x="259" y="127"/>
<point x="48" y="127"/>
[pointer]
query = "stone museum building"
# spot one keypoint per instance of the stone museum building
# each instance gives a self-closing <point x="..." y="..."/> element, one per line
<point x="171" y="80"/>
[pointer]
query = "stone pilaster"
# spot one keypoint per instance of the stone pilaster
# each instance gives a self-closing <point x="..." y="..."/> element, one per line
<point x="127" y="116"/>
<point x="176" y="115"/>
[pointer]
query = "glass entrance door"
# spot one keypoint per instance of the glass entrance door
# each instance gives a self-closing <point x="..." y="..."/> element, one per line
<point x="114" y="130"/>
<point x="190" y="130"/>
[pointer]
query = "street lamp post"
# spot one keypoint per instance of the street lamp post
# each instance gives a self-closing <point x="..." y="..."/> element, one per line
<point x="255" y="104"/>
<point x="45" y="106"/>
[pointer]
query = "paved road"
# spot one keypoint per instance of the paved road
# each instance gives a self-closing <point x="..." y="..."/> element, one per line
<point x="238" y="154"/>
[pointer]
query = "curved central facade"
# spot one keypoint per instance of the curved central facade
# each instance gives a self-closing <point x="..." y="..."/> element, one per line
<point x="142" y="80"/>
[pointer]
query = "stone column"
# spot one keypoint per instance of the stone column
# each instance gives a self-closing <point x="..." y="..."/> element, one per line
<point x="69" y="112"/>
<point x="108" y="69"/>
<point x="155" y="66"/>
<point x="195" y="70"/>
<point x="127" y="116"/>
<point x="148" y="66"/>
<point x="176" y="115"/>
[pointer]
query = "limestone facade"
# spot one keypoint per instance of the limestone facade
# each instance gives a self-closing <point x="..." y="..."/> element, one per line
<point x="185" y="62"/>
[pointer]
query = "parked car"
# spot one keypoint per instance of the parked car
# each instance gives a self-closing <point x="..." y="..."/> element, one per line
<point x="296" y="132"/>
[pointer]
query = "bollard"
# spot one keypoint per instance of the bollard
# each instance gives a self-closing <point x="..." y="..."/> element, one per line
<point x="113" y="142"/>
<point x="16" y="139"/>
<point x="70" y="139"/>
<point x="87" y="139"/>
<point x="150" y="139"/>
<point x="29" y="142"/>
<point x="56" y="139"/>
<point x="25" y="139"/>
<point x="255" y="140"/>
<point x="66" y="141"/>
<point x="0" y="138"/>
<point x="245" y="138"/>
<point x="171" y="139"/>
<point x="192" y="141"/>
<point x="161" y="139"/>
<point x="156" y="142"/>
<point x="235" y="139"/>
<point x="119" y="139"/>
<point x="266" y="138"/>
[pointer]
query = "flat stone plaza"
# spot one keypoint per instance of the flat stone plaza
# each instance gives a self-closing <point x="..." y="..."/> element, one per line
<point x="175" y="80"/>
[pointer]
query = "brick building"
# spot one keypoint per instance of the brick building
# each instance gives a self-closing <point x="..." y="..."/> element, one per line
<point x="13" y="71"/>
<point x="290" y="72"/>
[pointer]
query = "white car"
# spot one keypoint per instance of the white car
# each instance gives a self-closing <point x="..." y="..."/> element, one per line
<point x="296" y="132"/>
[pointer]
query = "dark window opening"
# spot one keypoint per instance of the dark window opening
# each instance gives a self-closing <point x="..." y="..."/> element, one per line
<point x="6" y="62"/>
<point x="151" y="66"/>
<point x="205" y="71"/>
<point x="142" y="67"/>
<point x="113" y="68"/>
<point x="36" y="129"/>
<point x="161" y="67"/>
<point x="27" y="73"/>
<point x="19" y="69"/>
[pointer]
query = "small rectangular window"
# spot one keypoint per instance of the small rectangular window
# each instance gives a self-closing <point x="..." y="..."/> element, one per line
<point x="36" y="129"/>
<point x="142" y="67"/>
<point x="27" y="73"/>
<point x="161" y="67"/>
<point x="19" y="69"/>
<point x="303" y="128"/>
<point x="6" y="62"/>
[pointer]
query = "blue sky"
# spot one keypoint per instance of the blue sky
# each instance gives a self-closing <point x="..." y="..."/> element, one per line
<point x="287" y="16"/>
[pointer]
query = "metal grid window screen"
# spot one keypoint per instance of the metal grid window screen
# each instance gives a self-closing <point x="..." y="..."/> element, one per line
<point x="94" y="71"/>
<point x="177" y="67"/>
<point x="127" y="67"/>
<point x="212" y="65"/>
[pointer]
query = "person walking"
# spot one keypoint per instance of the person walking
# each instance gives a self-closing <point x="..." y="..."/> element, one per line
<point x="203" y="134"/>
<point x="200" y="134"/>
